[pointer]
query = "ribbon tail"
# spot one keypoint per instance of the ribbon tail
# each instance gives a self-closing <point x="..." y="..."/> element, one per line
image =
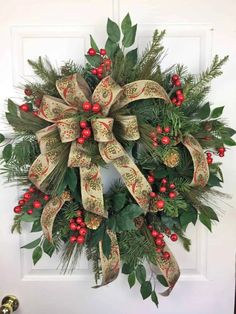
<point x="201" y="169"/>
<point x="110" y="266"/>
<point x="50" y="211"/>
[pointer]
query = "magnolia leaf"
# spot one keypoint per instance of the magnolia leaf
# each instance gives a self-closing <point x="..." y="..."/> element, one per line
<point x="111" y="48"/>
<point x="209" y="212"/>
<point x="37" y="254"/>
<point x="127" y="269"/>
<point x="126" y="24"/>
<point x="32" y="244"/>
<point x="162" y="280"/>
<point x="36" y="227"/>
<point x="154" y="298"/>
<point x="48" y="247"/>
<point x="217" y="112"/>
<point x="140" y="273"/>
<point x="125" y="218"/>
<point x="205" y="220"/>
<point x="146" y="289"/>
<point x="113" y="31"/>
<point x="129" y="36"/>
<point x="93" y="60"/>
<point x="7" y="152"/>
<point x="187" y="217"/>
<point x="93" y="44"/>
<point x="131" y="279"/>
<point x="229" y="142"/>
<point x="230" y="132"/>
<point x="29" y="218"/>
<point x="131" y="58"/>
<point x="204" y="111"/>
<point x="12" y="107"/>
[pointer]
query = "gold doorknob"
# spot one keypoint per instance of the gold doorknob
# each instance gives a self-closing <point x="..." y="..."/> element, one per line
<point x="9" y="304"/>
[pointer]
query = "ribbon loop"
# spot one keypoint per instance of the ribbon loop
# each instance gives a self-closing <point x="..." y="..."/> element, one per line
<point x="69" y="129"/>
<point x="129" y="127"/>
<point x="102" y="129"/>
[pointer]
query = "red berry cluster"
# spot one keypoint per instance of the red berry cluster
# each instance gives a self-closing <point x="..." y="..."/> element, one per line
<point x="86" y="132"/>
<point x="160" y="242"/>
<point x="26" y="107"/>
<point x="78" y="226"/>
<point x="30" y="201"/>
<point x="178" y="98"/>
<point x="158" y="135"/>
<point x="105" y="63"/>
<point x="220" y="153"/>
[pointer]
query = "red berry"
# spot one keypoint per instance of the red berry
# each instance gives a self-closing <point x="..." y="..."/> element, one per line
<point x="72" y="220"/>
<point x="167" y="129"/>
<point x="21" y="202"/>
<point x="103" y="52"/>
<point x="73" y="239"/>
<point x="83" y="124"/>
<point x="83" y="231"/>
<point x="107" y="62"/>
<point x="178" y="103"/>
<point x="30" y="211"/>
<point x="154" y="233"/>
<point x="150" y="227"/>
<point x="152" y="194"/>
<point x="17" y="209"/>
<point x="158" y="242"/>
<point x="172" y="186"/>
<point x="160" y="204"/>
<point x="28" y="92"/>
<point x="99" y="75"/>
<point x="99" y="70"/>
<point x="25" y="107"/>
<point x="86" y="133"/>
<point x="155" y="144"/>
<point x="80" y="239"/>
<point x="46" y="197"/>
<point x="96" y="108"/>
<point x="159" y="129"/>
<point x="82" y="224"/>
<point x="172" y="194"/>
<point x="221" y="150"/>
<point x="153" y="135"/>
<point x="162" y="189"/>
<point x="160" y="235"/>
<point x="166" y="255"/>
<point x="174" y="100"/>
<point x="37" y="204"/>
<point x="92" y="52"/>
<point x="174" y="237"/>
<point x="175" y="77"/>
<point x="179" y="92"/>
<point x="27" y="196"/>
<point x="209" y="160"/>
<point x="221" y="154"/>
<point x="180" y="98"/>
<point x="151" y="179"/>
<point x="78" y="228"/>
<point x="80" y="140"/>
<point x="165" y="140"/>
<point x="79" y="220"/>
<point x="86" y="106"/>
<point x="158" y="250"/>
<point x="163" y="180"/>
<point x="73" y="226"/>
<point x="32" y="189"/>
<point x="209" y="154"/>
<point x="177" y="83"/>
<point x="167" y="231"/>
<point x="37" y="102"/>
<point x="79" y="213"/>
<point x="94" y="71"/>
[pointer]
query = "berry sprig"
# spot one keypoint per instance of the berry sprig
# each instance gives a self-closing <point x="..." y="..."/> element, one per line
<point x="105" y="63"/>
<point x="78" y="228"/>
<point x="158" y="135"/>
<point x="220" y="152"/>
<point x="30" y="101"/>
<point x="32" y="199"/>
<point x="178" y="98"/>
<point x="160" y="242"/>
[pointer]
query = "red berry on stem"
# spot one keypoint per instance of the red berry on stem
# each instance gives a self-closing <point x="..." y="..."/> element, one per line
<point x="92" y="52"/>
<point x="154" y="233"/>
<point x="78" y="228"/>
<point x="174" y="100"/>
<point x="152" y="194"/>
<point x="174" y="237"/>
<point x="96" y="108"/>
<point x="179" y="92"/>
<point x="94" y="71"/>
<point x="83" y="231"/>
<point x="158" y="242"/>
<point x="28" y="92"/>
<point x="172" y="194"/>
<point x="160" y="204"/>
<point x="73" y="239"/>
<point x="103" y="52"/>
<point x="86" y="133"/>
<point x="30" y="211"/>
<point x="209" y="160"/>
<point x="100" y="70"/>
<point x="21" y="202"/>
<point x="72" y="220"/>
<point x="80" y="140"/>
<point x="166" y="255"/>
<point x="37" y="204"/>
<point x="151" y="179"/>
<point x="172" y="186"/>
<point x="180" y="98"/>
<point x="79" y="220"/>
<point x="83" y="124"/>
<point x="86" y="106"/>
<point x="177" y="83"/>
<point x="155" y="144"/>
<point x="17" y="209"/>
<point x="150" y="227"/>
<point x="162" y="189"/>
<point x="32" y="189"/>
<point x="158" y="250"/>
<point x="167" y="129"/>
<point x="82" y="224"/>
<point x="25" y="107"/>
<point x="73" y="226"/>
<point x="209" y="154"/>
<point x="221" y="154"/>
<point x="175" y="77"/>
<point x="178" y="103"/>
<point x="27" y="196"/>
<point x="164" y="181"/>
<point x="37" y="102"/>
<point x="80" y="239"/>
<point x="107" y="62"/>
<point x="221" y="150"/>
<point x="167" y="231"/>
<point x="165" y="140"/>
<point x="46" y="197"/>
<point x="153" y="135"/>
<point x="159" y="129"/>
<point x="160" y="235"/>
<point x="99" y="75"/>
<point x="79" y="213"/>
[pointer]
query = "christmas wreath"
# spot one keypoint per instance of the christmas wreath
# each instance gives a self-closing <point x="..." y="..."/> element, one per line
<point x="120" y="110"/>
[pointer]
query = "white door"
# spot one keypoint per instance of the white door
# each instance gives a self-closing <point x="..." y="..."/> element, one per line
<point x="196" y="30"/>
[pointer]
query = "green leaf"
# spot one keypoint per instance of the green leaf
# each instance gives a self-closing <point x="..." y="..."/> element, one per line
<point x="36" y="227"/>
<point x="146" y="289"/>
<point x="127" y="269"/>
<point x="118" y="201"/>
<point x="113" y="31"/>
<point x="29" y="218"/>
<point x="131" y="58"/>
<point x="204" y="111"/>
<point x="140" y="273"/>
<point x="12" y="107"/>
<point x="32" y="244"/>
<point x="97" y="236"/>
<point x="209" y="212"/>
<point x="48" y="247"/>
<point x="93" y="60"/>
<point x="129" y="36"/>
<point x="111" y="48"/>
<point x="188" y="216"/>
<point x="37" y="254"/>
<point x="217" y="112"/>
<point x="154" y="298"/>
<point x="93" y="44"/>
<point x="2" y="138"/>
<point x="205" y="220"/>
<point x="162" y="280"/>
<point x="71" y="179"/>
<point x="125" y="218"/>
<point x="7" y="152"/>
<point x="229" y="142"/>
<point x="214" y="180"/>
<point x="106" y="245"/>
<point x="126" y="24"/>
<point x="131" y="279"/>
<point x="230" y="132"/>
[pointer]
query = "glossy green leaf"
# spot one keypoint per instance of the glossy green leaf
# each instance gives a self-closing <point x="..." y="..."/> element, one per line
<point x="187" y="217"/>
<point x="129" y="37"/>
<point x="205" y="220"/>
<point x="93" y="44"/>
<point x="111" y="48"/>
<point x="217" y="112"/>
<point x="113" y="31"/>
<point x="37" y="254"/>
<point x="126" y="24"/>
<point x="204" y="111"/>
<point x="12" y="107"/>
<point x="140" y="273"/>
<point x="162" y="280"/>
<point x="36" y="227"/>
<point x="229" y="142"/>
<point x="32" y="244"/>
<point x="154" y="298"/>
<point x="2" y="138"/>
<point x="7" y="152"/>
<point x="71" y="179"/>
<point x="131" y="58"/>
<point x="131" y="279"/>
<point x="48" y="247"/>
<point x="229" y="131"/>
<point x="209" y="212"/>
<point x="146" y="289"/>
<point x="93" y="60"/>
<point x="127" y="269"/>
